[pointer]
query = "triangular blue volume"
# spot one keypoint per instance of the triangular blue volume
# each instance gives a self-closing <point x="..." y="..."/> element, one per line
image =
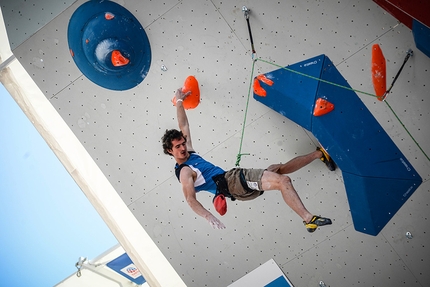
<point x="378" y="178"/>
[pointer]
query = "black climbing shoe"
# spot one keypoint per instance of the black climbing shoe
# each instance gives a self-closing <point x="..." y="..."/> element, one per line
<point x="316" y="221"/>
<point x="327" y="159"/>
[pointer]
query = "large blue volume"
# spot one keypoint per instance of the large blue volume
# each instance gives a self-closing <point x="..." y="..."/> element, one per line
<point x="99" y="28"/>
<point x="377" y="176"/>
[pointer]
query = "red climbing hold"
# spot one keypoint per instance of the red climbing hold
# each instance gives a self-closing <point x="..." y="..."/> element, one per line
<point x="258" y="90"/>
<point x="193" y="100"/>
<point x="322" y="107"/>
<point x="118" y="59"/>
<point x="109" y="16"/>
<point x="379" y="72"/>
<point x="265" y="80"/>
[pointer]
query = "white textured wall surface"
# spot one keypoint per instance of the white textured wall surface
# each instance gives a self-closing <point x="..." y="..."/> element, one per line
<point x="209" y="39"/>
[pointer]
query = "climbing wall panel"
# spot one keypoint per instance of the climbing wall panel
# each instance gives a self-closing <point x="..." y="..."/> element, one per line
<point x="373" y="167"/>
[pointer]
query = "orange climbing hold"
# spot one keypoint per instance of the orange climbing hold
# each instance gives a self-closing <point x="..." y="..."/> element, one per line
<point x="192" y="100"/>
<point x="379" y="72"/>
<point x="265" y="80"/>
<point x="118" y="59"/>
<point x="109" y="16"/>
<point x="258" y="90"/>
<point x="322" y="107"/>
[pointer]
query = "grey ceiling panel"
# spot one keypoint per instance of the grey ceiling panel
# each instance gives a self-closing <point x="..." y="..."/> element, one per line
<point x="23" y="18"/>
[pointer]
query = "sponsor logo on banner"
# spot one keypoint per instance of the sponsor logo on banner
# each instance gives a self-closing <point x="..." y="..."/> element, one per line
<point x="131" y="271"/>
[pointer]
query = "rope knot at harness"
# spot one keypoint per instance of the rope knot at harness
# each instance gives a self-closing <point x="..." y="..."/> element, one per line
<point x="239" y="157"/>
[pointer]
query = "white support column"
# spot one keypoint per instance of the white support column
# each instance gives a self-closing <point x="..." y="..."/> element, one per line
<point x="136" y="242"/>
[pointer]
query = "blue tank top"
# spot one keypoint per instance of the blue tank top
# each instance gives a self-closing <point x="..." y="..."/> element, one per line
<point x="205" y="171"/>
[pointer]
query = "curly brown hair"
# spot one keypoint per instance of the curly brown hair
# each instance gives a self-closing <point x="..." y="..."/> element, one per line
<point x="168" y="137"/>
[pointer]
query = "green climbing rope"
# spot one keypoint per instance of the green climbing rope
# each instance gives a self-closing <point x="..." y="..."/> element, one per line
<point x="407" y="130"/>
<point x="239" y="155"/>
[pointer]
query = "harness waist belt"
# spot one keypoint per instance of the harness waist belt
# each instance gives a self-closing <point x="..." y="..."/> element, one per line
<point x="222" y="186"/>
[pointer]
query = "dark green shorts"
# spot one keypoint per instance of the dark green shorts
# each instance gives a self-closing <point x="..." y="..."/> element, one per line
<point x="244" y="184"/>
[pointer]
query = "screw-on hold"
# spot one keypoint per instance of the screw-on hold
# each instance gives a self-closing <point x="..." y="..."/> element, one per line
<point x="163" y="68"/>
<point x="409" y="235"/>
<point x="322" y="284"/>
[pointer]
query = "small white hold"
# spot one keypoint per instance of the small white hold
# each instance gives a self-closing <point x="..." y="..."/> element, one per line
<point x="38" y="63"/>
<point x="163" y="68"/>
<point x="82" y="123"/>
<point x="409" y="235"/>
